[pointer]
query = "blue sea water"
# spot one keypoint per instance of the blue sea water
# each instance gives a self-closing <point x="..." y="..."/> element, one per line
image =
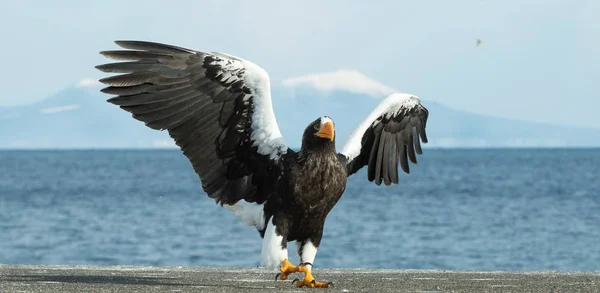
<point x="511" y="209"/>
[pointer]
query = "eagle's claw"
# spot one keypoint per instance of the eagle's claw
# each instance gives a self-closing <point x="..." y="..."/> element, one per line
<point x="312" y="283"/>
<point x="286" y="269"/>
<point x="309" y="281"/>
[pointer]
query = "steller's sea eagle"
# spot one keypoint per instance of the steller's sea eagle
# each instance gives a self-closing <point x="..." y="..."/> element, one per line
<point x="217" y="108"/>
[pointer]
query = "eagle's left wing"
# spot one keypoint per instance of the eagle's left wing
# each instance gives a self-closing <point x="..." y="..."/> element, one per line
<point x="215" y="106"/>
<point x="391" y="133"/>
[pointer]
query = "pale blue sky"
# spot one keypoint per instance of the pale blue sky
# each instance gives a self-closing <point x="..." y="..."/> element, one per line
<point x="538" y="60"/>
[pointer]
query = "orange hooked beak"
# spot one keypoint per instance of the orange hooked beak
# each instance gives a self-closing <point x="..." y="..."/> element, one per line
<point x="326" y="131"/>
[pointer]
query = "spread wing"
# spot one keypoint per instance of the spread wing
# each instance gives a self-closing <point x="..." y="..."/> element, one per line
<point x="215" y="106"/>
<point x="391" y="133"/>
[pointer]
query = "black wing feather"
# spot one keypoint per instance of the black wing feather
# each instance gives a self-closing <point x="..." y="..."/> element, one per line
<point x="204" y="103"/>
<point x="393" y="138"/>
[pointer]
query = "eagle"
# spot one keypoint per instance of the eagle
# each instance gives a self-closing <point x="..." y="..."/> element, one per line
<point x="217" y="108"/>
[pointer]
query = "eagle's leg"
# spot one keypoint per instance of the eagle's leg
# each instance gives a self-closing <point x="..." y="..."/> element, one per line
<point x="274" y="248"/>
<point x="307" y="252"/>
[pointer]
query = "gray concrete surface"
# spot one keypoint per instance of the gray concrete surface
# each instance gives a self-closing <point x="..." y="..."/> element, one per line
<point x="41" y="278"/>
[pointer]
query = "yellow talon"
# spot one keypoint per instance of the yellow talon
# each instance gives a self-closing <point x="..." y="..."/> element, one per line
<point x="287" y="268"/>
<point x="309" y="281"/>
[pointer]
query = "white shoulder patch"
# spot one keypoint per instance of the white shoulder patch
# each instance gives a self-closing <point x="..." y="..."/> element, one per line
<point x="265" y="131"/>
<point x="388" y="107"/>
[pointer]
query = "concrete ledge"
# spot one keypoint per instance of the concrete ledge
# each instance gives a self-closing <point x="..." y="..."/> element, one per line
<point x="42" y="278"/>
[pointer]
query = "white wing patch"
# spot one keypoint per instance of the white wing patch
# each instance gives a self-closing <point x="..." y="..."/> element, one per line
<point x="272" y="253"/>
<point x="388" y="107"/>
<point x="252" y="214"/>
<point x="265" y="131"/>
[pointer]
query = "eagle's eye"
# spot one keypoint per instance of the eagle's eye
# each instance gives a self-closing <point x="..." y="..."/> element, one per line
<point x="316" y="127"/>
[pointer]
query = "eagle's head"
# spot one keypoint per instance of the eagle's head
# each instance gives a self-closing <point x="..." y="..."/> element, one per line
<point x="320" y="132"/>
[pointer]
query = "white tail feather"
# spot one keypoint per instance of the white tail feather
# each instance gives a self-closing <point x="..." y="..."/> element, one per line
<point x="272" y="253"/>
<point x="252" y="214"/>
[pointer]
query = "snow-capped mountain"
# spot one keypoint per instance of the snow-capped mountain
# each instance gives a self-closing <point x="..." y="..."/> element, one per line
<point x="80" y="117"/>
<point x="76" y="117"/>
